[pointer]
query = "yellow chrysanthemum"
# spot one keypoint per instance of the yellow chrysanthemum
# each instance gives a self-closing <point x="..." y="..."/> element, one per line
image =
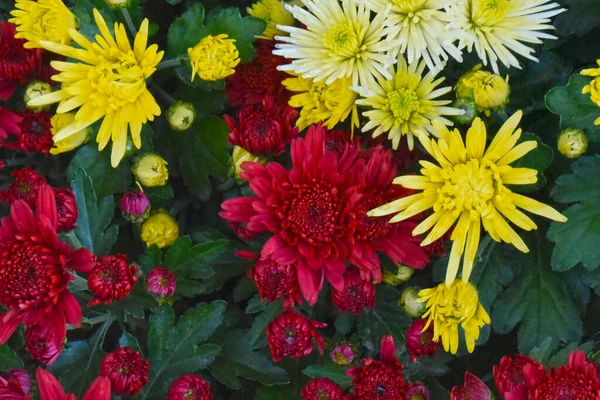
<point x="451" y="306"/>
<point x="48" y="20"/>
<point x="421" y="27"/>
<point x="499" y="28"/>
<point x="214" y="57"/>
<point x="489" y="91"/>
<point x="108" y="81"/>
<point x="273" y="12"/>
<point x="150" y="170"/>
<point x="594" y="87"/>
<point x="318" y="102"/>
<point x="468" y="186"/>
<point x="160" y="229"/>
<point x="60" y="121"/>
<point x="339" y="41"/>
<point x="405" y="104"/>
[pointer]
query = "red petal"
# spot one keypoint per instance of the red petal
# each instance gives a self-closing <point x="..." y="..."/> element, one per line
<point x="99" y="390"/>
<point x="49" y="387"/>
<point x="46" y="205"/>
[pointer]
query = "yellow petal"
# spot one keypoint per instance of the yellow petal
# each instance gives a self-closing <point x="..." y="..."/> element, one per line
<point x="517" y="152"/>
<point x="535" y="207"/>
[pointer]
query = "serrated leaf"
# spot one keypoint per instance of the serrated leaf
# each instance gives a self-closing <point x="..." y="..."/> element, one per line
<point x="581" y="185"/>
<point x="134" y="305"/>
<point x="580" y="18"/>
<point x="333" y="372"/>
<point x="542" y="352"/>
<point x="185" y="31"/>
<point x="287" y="392"/>
<point x="128" y="340"/>
<point x="93" y="229"/>
<point x="187" y="260"/>
<point x="9" y="359"/>
<point x="238" y="360"/>
<point x="260" y="322"/>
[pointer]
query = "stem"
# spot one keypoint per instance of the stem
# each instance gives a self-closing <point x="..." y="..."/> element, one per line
<point x="174" y="62"/>
<point x="166" y="96"/>
<point x="97" y="320"/>
<point x="128" y="21"/>
<point x="72" y="240"/>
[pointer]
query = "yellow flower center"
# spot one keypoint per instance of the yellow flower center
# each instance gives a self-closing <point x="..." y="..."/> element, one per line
<point x="488" y="12"/>
<point x="469" y="186"/>
<point x="119" y="77"/>
<point x="343" y="41"/>
<point x="403" y="103"/>
<point x="408" y="6"/>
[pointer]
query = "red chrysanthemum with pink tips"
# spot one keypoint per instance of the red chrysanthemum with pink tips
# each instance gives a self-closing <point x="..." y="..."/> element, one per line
<point x="510" y="377"/>
<point x="34" y="134"/>
<point x="50" y="388"/>
<point x="126" y="370"/>
<point x="189" y="387"/>
<point x="322" y="389"/>
<point x="111" y="279"/>
<point x="25" y="186"/>
<point x="41" y="345"/>
<point x="66" y="207"/>
<point x="291" y="335"/>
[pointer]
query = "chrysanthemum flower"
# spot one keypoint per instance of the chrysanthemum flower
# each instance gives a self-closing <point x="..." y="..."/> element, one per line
<point x="263" y="129"/>
<point x="160" y="229"/>
<point x="320" y="102"/>
<point x="107" y="82"/>
<point x="499" y="28"/>
<point x="449" y="307"/>
<point x="43" y="20"/>
<point x="421" y="27"/>
<point x="418" y="391"/>
<point x="336" y="141"/>
<point x="135" y="206"/>
<point x="15" y="385"/>
<point x="273" y="12"/>
<point x="9" y="123"/>
<point x="111" y="279"/>
<point x="49" y="388"/>
<point x="322" y="388"/>
<point x="126" y="370"/>
<point x="356" y="295"/>
<point x="593" y="88"/>
<point x="339" y="41"/>
<point x="379" y="379"/>
<point x="473" y="388"/>
<point x="419" y="341"/>
<point x="468" y="186"/>
<point x="17" y="64"/>
<point x="214" y="57"/>
<point x="274" y="280"/>
<point x="40" y="344"/>
<point x="311" y="210"/>
<point x="26" y="185"/>
<point x="60" y="121"/>
<point x="34" y="270"/>
<point x="510" y="377"/>
<point x="189" y="387"/>
<point x="150" y="170"/>
<point x="572" y="143"/>
<point x="342" y="354"/>
<point x="405" y="104"/>
<point x="34" y="133"/>
<point x="489" y="91"/>
<point x="291" y="335"/>
<point x="161" y="282"/>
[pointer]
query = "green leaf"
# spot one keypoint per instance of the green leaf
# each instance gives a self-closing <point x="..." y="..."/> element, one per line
<point x="186" y="31"/>
<point x="576" y="110"/>
<point x="492" y="271"/>
<point x="581" y="185"/>
<point x="179" y="349"/>
<point x="539" y="302"/>
<point x="204" y="153"/>
<point x="538" y="159"/>
<point x="128" y="340"/>
<point x="94" y="217"/>
<point x="287" y="392"/>
<point x="187" y="260"/>
<point x="581" y="17"/>
<point x="542" y="352"/>
<point x="334" y="372"/>
<point x="344" y="322"/>
<point x="9" y="359"/>
<point x="260" y="322"/>
<point x="238" y="360"/>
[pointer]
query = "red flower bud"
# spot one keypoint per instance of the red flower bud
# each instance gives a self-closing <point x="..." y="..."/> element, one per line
<point x="135" y="206"/>
<point x="188" y="387"/>
<point x="418" y="343"/>
<point x="342" y="354"/>
<point x="274" y="280"/>
<point x="126" y="370"/>
<point x="111" y="279"/>
<point x="66" y="208"/>
<point x="322" y="388"/>
<point x="356" y="295"/>
<point x="39" y="342"/>
<point x="291" y="334"/>
<point x="161" y="282"/>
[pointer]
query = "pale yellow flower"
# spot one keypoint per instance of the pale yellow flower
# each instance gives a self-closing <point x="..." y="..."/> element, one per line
<point x="572" y="143"/>
<point x="150" y="170"/>
<point x="181" y="116"/>
<point x="37" y="89"/>
<point x="43" y="20"/>
<point x="489" y="91"/>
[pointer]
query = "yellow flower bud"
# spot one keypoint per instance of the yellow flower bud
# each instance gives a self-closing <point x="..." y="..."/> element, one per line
<point x="572" y="143"/>
<point x="37" y="89"/>
<point x="214" y="58"/>
<point x="239" y="157"/>
<point x="409" y="302"/>
<point x="274" y="13"/>
<point x="402" y="275"/>
<point x="160" y="229"/>
<point x="117" y="4"/>
<point x="490" y="91"/>
<point x="151" y="170"/>
<point x="181" y="116"/>
<point x="72" y="142"/>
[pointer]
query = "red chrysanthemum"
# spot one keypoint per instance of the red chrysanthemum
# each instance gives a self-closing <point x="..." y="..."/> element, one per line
<point x="473" y="389"/>
<point x="50" y="388"/>
<point x="161" y="282"/>
<point x="337" y="140"/>
<point x="34" y="133"/>
<point x="274" y="280"/>
<point x="46" y="71"/>
<point x="34" y="270"/>
<point x="189" y="387"/>
<point x="17" y="64"/>
<point x="510" y="378"/>
<point x="9" y="123"/>
<point x="356" y="295"/>
<point x="417" y="391"/>
<point x="311" y="210"/>
<point x="575" y="381"/>
<point x="15" y="385"/>
<point x="375" y="233"/>
<point x="380" y="379"/>
<point x="66" y="206"/>
<point x="322" y="389"/>
<point x="41" y="345"/>
<point x="263" y="129"/>
<point x="291" y="334"/>
<point x="111" y="279"/>
<point x="418" y="343"/>
<point x="26" y="185"/>
<point x="260" y="78"/>
<point x="126" y="370"/>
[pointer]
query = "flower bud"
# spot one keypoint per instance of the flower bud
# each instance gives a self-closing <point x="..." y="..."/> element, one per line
<point x="117" y="4"/>
<point x="161" y="282"/>
<point x="17" y="380"/>
<point x="188" y="387"/>
<point x="66" y="207"/>
<point x="160" y="229"/>
<point x="342" y="354"/>
<point x="58" y="122"/>
<point x="572" y="143"/>
<point x="36" y="89"/>
<point x="490" y="91"/>
<point x="181" y="116"/>
<point x="403" y="274"/>
<point x="135" y="206"/>
<point x="126" y="370"/>
<point x="238" y="158"/>
<point x="409" y="302"/>
<point x="150" y="170"/>
<point x="470" y="110"/>
<point x="39" y="342"/>
<point x="111" y="279"/>
<point x="214" y="58"/>
<point x="417" y="391"/>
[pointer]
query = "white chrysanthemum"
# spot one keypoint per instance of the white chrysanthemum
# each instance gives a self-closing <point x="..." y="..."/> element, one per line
<point x="339" y="41"/>
<point x="499" y="28"/>
<point x="421" y="27"/>
<point x="406" y="104"/>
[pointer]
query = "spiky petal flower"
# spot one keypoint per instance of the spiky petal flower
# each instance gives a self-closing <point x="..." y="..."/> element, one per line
<point x="161" y="282"/>
<point x="111" y="279"/>
<point x="406" y="103"/>
<point x="342" y="354"/>
<point x="340" y="40"/>
<point x="17" y="64"/>
<point x="322" y="389"/>
<point x="417" y="391"/>
<point x="419" y="341"/>
<point x="449" y="307"/>
<point x="499" y="29"/>
<point x="26" y="186"/>
<point x="34" y="270"/>
<point x="126" y="370"/>
<point x="380" y="379"/>
<point x="107" y="81"/>
<point x="337" y="140"/>
<point x="274" y="13"/>
<point x="510" y="377"/>
<point x="264" y="129"/>
<point x="291" y="335"/>
<point x="468" y="186"/>
<point x="34" y="134"/>
<point x="593" y="88"/>
<point x="473" y="389"/>
<point x="40" y="344"/>
<point x="59" y="121"/>
<point x="356" y="295"/>
<point x="214" y="58"/>
<point x="9" y="123"/>
<point x="274" y="280"/>
<point x="50" y="388"/>
<point x="311" y="210"/>
<point x="189" y="387"/>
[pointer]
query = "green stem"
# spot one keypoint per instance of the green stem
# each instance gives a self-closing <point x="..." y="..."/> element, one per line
<point x="166" y="96"/>
<point x="174" y="62"/>
<point x="72" y="240"/>
<point x="128" y="21"/>
<point x="97" y="320"/>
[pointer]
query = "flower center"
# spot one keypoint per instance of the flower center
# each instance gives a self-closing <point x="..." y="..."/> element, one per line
<point x="403" y="103"/>
<point x="262" y="128"/>
<point x="488" y="12"/>
<point x="408" y="6"/>
<point x="343" y="41"/>
<point x="322" y="394"/>
<point x="312" y="214"/>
